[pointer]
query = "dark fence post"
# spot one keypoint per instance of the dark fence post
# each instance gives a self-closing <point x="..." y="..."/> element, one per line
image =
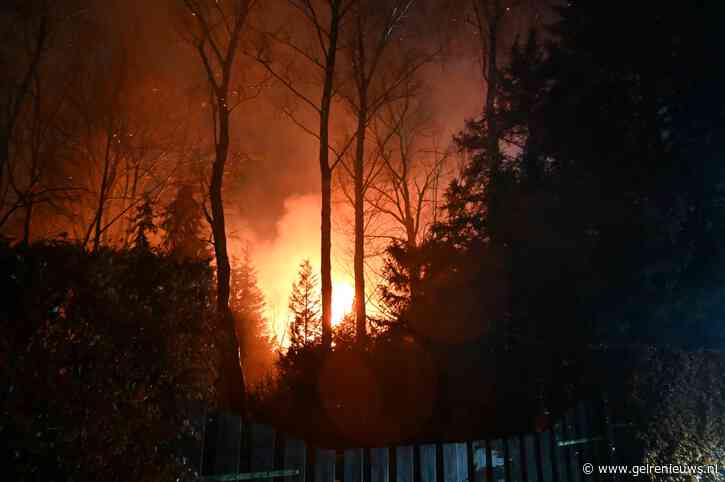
<point x="470" y="462"/>
<point x="404" y="464"/>
<point x="324" y="465"/>
<point x="379" y="465"/>
<point x="353" y="465"/>
<point x="427" y="463"/>
<point x="295" y="457"/>
<point x="228" y="444"/>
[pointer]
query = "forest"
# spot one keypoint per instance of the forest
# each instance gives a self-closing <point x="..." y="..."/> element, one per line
<point x="362" y="222"/>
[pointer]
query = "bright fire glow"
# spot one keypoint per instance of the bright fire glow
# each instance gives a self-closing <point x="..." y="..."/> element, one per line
<point x="342" y="298"/>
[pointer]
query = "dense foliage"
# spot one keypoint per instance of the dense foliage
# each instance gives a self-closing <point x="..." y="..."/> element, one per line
<point x="103" y="355"/>
<point x="600" y="214"/>
<point x="680" y="398"/>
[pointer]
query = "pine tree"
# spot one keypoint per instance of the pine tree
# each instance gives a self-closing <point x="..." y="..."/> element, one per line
<point x="344" y="332"/>
<point x="143" y="223"/>
<point x="304" y="304"/>
<point x="182" y="223"/>
<point x="247" y="304"/>
<point x="246" y="299"/>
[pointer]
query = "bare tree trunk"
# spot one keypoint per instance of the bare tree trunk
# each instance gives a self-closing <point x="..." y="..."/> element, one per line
<point x="217" y="210"/>
<point x="326" y="179"/>
<point x="328" y="37"/>
<point x="325" y="251"/>
<point x="371" y="40"/>
<point x="102" y="192"/>
<point x="40" y="43"/>
<point x="218" y="57"/>
<point x="411" y="239"/>
<point x="359" y="255"/>
<point x="235" y="383"/>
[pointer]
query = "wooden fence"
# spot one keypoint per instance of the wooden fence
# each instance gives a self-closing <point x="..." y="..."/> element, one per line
<point x="583" y="435"/>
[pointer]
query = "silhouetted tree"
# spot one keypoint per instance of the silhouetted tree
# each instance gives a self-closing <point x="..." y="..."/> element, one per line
<point x="406" y="193"/>
<point x="380" y="68"/>
<point x="28" y="29"/>
<point x="143" y="225"/>
<point x="182" y="222"/>
<point x="216" y="30"/>
<point x="325" y="20"/>
<point x="597" y="191"/>
<point x="247" y="305"/>
<point x="304" y="305"/>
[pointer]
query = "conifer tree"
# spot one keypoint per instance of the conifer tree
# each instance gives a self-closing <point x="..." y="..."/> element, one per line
<point x="344" y="333"/>
<point x="247" y="304"/>
<point x="304" y="305"/>
<point x="246" y="300"/>
<point x="182" y="225"/>
<point x="143" y="223"/>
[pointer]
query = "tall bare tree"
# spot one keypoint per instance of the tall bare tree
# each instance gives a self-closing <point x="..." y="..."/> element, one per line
<point x="325" y="19"/>
<point x="116" y="152"/>
<point x="32" y="96"/>
<point x="215" y="28"/>
<point x="381" y="62"/>
<point x="30" y="25"/>
<point x="35" y="176"/>
<point x="407" y="192"/>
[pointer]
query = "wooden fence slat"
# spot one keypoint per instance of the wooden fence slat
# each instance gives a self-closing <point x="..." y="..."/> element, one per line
<point x="353" y="469"/>
<point x="295" y="458"/>
<point x="228" y="444"/>
<point x="498" y="462"/>
<point x="532" y="456"/>
<point x="514" y="460"/>
<point x="325" y="466"/>
<point x="489" y="462"/>
<point x="404" y="464"/>
<point x="479" y="461"/>
<point x="455" y="462"/>
<point x="262" y="450"/>
<point x="427" y="463"/>
<point x="462" y="453"/>
<point x="379" y="461"/>
<point x="547" y="468"/>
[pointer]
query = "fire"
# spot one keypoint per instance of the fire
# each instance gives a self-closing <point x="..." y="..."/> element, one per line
<point x="342" y="298"/>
